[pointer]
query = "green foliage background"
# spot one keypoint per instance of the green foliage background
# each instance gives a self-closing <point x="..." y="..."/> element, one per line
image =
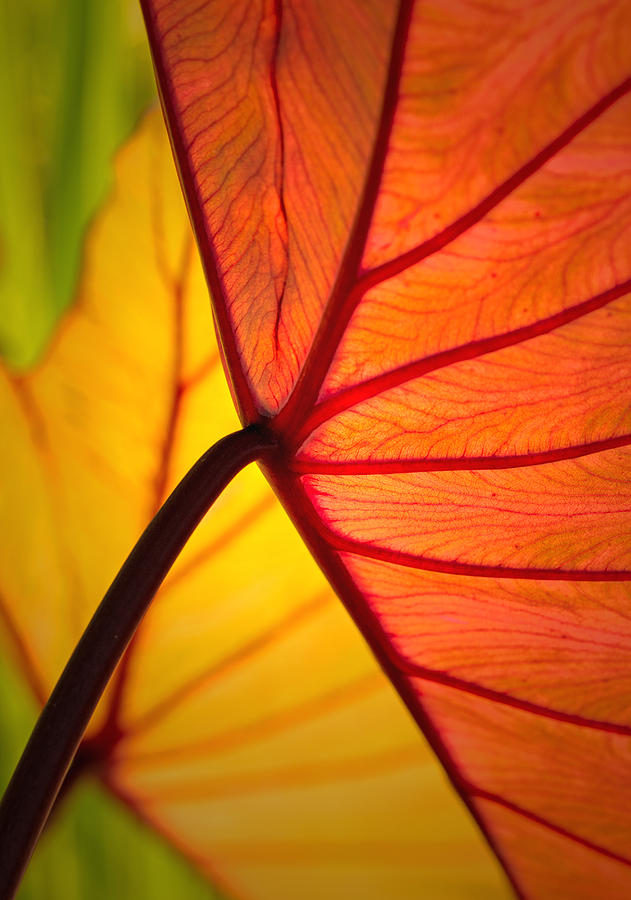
<point x="75" y="76"/>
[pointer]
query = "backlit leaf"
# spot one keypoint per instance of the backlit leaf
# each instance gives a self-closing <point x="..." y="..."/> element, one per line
<point x="248" y="722"/>
<point x="74" y="78"/>
<point x="416" y="227"/>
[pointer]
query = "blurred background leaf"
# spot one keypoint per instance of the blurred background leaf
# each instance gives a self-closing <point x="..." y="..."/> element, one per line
<point x="248" y="722"/>
<point x="75" y="76"/>
<point x="93" y="847"/>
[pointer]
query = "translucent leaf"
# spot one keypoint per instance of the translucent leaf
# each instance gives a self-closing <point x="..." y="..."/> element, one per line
<point x="415" y="224"/>
<point x="248" y="723"/>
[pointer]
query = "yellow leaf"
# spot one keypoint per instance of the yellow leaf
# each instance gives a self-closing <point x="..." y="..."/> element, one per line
<point x="248" y="721"/>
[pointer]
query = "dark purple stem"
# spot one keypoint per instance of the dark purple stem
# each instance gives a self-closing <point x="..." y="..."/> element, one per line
<point x="41" y="770"/>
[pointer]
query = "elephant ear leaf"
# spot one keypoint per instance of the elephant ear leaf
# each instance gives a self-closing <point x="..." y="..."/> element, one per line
<point x="416" y="227"/>
<point x="247" y="706"/>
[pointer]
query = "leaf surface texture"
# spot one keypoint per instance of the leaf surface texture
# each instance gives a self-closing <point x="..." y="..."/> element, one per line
<point x="431" y="309"/>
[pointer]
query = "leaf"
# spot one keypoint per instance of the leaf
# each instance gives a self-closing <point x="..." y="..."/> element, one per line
<point x="73" y="81"/>
<point x="415" y="224"/>
<point x="248" y="723"/>
<point x="94" y="846"/>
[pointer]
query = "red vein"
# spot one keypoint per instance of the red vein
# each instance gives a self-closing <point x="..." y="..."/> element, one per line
<point x="481" y="794"/>
<point x="278" y="12"/>
<point x="200" y="373"/>
<point x="243" y="654"/>
<point x="347" y="294"/>
<point x="201" y="862"/>
<point x="434" y="676"/>
<point x="178" y="289"/>
<point x="229" y="534"/>
<point x="351" y="768"/>
<point x="300" y="500"/>
<point x="463" y="463"/>
<point x="23" y="390"/>
<point x="276" y="722"/>
<point x="20" y="387"/>
<point x="295" y="852"/>
<point x="460" y="226"/>
<point x="328" y="333"/>
<point x="410" y="560"/>
<point x="297" y="504"/>
<point x="110" y="732"/>
<point x="396" y="377"/>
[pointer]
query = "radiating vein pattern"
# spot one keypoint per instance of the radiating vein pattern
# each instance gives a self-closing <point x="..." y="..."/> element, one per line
<point x="449" y="366"/>
<point x="249" y="724"/>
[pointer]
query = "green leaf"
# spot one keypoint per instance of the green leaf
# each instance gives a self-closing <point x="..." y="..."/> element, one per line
<point x="74" y="77"/>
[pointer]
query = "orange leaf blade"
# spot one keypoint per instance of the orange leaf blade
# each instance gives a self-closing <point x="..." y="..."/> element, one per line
<point x="452" y="395"/>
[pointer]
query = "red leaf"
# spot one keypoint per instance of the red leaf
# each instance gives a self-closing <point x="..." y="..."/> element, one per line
<point x="416" y="226"/>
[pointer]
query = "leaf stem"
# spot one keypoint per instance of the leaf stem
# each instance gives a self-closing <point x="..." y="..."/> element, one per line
<point x="41" y="770"/>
